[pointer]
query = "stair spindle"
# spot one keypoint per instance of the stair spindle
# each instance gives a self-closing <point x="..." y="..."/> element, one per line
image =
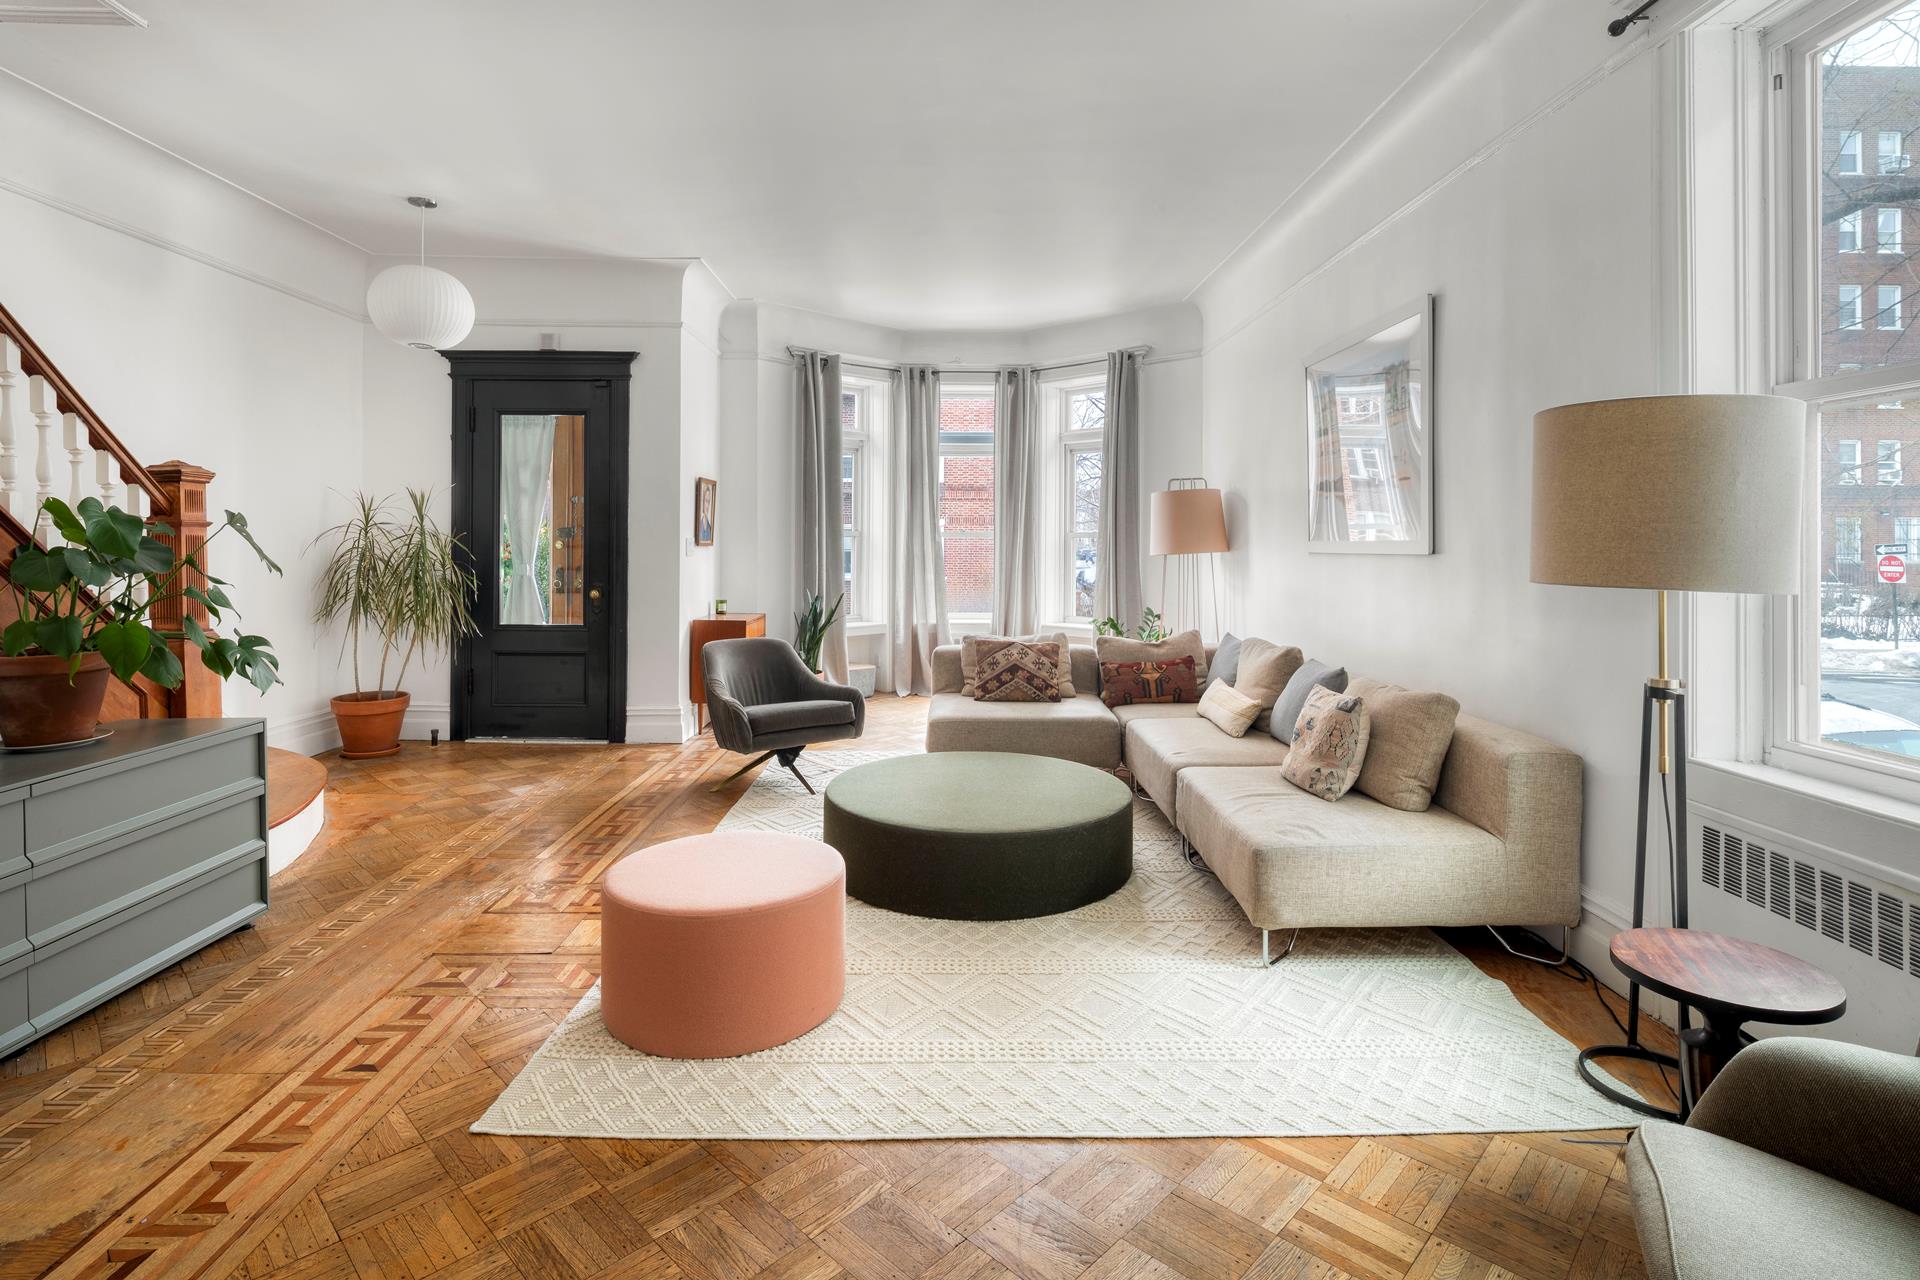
<point x="104" y="481"/>
<point x="74" y="436"/>
<point x="45" y="407"/>
<point x="136" y="505"/>
<point x="9" y="380"/>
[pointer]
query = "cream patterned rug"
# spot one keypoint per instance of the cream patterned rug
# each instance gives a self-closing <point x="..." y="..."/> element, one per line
<point x="1148" y="1014"/>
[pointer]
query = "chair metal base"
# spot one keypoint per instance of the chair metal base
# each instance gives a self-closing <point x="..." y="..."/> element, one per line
<point x="788" y="756"/>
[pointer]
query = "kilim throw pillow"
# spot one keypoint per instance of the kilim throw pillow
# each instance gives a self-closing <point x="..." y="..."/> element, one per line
<point x="1018" y="671"/>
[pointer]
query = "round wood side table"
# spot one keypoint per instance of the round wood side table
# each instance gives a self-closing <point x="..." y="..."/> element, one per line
<point x="1731" y="982"/>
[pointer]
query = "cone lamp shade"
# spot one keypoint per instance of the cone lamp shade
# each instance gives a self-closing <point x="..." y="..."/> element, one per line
<point x="420" y="306"/>
<point x="1670" y="493"/>
<point x="1184" y="522"/>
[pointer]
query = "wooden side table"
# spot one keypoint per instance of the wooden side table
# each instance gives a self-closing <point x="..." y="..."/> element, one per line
<point x="1731" y="982"/>
<point x="718" y="626"/>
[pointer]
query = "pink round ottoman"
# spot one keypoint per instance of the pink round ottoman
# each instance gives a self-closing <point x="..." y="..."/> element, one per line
<point x="722" y="944"/>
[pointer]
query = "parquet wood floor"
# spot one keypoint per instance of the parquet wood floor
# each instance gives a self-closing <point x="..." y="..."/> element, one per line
<point x="292" y="1102"/>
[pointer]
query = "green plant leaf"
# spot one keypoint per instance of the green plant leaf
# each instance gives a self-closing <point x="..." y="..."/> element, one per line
<point x="218" y="598"/>
<point x="196" y="634"/>
<point x="91" y="508"/>
<point x="162" y="667"/>
<point x="86" y="568"/>
<point x="115" y="534"/>
<point x="126" y="647"/>
<point x="154" y="558"/>
<point x="72" y="527"/>
<point x="159" y="529"/>
<point x="17" y="638"/>
<point x="195" y="593"/>
<point x="59" y="635"/>
<point x="36" y="570"/>
<point x="238" y="523"/>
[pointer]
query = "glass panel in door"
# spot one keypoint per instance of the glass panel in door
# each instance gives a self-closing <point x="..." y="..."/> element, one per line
<point x="543" y="513"/>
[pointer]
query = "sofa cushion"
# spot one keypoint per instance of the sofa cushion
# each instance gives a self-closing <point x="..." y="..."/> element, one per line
<point x="1225" y="660"/>
<point x="1329" y="742"/>
<point x="1079" y="728"/>
<point x="973" y="648"/>
<point x="1411" y="732"/>
<point x="1172" y="680"/>
<point x="1709" y="1208"/>
<point x="1292" y="860"/>
<point x="1185" y="645"/>
<point x="1227" y="709"/>
<point x="1264" y="671"/>
<point x="1158" y="749"/>
<point x="1311" y="674"/>
<point x="1132" y="711"/>
<point x="1019" y="671"/>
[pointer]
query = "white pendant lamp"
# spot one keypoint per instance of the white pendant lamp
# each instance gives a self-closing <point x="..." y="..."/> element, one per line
<point x="417" y="305"/>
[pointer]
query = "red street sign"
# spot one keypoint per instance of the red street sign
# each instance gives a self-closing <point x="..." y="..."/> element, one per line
<point x="1893" y="569"/>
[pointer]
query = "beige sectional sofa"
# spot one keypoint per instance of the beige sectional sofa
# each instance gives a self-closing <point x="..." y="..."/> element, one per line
<point x="1500" y="844"/>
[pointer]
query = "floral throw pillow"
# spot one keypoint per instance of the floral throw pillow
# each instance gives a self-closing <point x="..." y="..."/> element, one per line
<point x="1167" y="680"/>
<point x="1018" y="671"/>
<point x="1329" y="744"/>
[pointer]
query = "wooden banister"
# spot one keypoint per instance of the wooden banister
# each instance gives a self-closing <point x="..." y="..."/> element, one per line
<point x="34" y="363"/>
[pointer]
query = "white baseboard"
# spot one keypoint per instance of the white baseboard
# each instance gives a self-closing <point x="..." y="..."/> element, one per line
<point x="424" y="717"/>
<point x="306" y="735"/>
<point x="1589" y="943"/>
<point x="660" y="724"/>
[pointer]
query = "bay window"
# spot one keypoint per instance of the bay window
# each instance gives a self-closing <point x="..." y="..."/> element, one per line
<point x="863" y="413"/>
<point x="1083" y="408"/>
<point x="966" y="496"/>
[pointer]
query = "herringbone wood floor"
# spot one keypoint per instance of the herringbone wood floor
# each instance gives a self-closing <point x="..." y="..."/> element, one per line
<point x="293" y="1101"/>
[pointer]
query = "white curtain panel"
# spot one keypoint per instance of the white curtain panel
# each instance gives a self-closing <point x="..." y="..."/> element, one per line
<point x="917" y="613"/>
<point x="1330" y="477"/>
<point x="816" y="380"/>
<point x="1016" y="494"/>
<point x="526" y="467"/>
<point x="1117" y="590"/>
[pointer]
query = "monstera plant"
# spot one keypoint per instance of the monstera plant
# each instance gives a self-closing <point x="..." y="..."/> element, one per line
<point x="83" y="610"/>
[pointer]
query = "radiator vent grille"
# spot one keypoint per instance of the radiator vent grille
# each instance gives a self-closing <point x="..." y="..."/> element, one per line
<point x="1859" y="914"/>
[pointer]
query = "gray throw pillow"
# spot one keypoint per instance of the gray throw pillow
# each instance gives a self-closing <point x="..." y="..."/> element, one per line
<point x="1226" y="661"/>
<point x="1293" y="698"/>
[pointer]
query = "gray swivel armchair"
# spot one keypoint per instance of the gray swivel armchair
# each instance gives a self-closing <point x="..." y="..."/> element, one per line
<point x="763" y="699"/>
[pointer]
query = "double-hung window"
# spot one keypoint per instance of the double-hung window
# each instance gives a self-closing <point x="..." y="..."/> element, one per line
<point x="1084" y="410"/>
<point x="863" y="415"/>
<point x="966" y="496"/>
<point x="1850" y="75"/>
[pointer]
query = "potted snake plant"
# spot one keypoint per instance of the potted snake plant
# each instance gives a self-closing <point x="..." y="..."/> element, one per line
<point x="80" y="615"/>
<point x="810" y="627"/>
<point x="398" y="581"/>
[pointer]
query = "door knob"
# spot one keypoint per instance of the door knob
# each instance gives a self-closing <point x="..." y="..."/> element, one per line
<point x="593" y="594"/>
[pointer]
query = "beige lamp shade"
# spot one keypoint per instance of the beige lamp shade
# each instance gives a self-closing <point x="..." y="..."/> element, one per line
<point x="1184" y="522"/>
<point x="1673" y="493"/>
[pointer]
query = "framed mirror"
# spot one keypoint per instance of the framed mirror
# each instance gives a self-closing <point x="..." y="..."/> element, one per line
<point x="1370" y="438"/>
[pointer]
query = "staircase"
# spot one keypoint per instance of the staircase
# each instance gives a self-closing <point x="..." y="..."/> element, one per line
<point x="53" y="445"/>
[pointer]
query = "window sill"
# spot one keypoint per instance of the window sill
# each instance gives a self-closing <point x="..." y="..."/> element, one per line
<point x="1877" y="833"/>
<point x="866" y="629"/>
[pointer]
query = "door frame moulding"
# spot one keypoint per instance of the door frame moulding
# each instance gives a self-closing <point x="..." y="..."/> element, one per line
<point x="615" y="368"/>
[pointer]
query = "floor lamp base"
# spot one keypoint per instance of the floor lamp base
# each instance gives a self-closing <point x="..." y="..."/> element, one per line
<point x="1613" y="1092"/>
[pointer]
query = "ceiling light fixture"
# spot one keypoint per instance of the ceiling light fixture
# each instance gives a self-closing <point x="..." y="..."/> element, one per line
<point x="417" y="305"/>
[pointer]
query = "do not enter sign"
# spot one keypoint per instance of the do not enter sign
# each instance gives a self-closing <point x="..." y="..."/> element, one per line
<point x="1893" y="569"/>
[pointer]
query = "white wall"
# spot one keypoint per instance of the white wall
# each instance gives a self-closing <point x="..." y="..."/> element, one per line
<point x="1516" y="181"/>
<point x="205" y="326"/>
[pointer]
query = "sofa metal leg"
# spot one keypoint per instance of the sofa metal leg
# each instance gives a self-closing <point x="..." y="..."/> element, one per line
<point x="754" y="763"/>
<point x="1192" y="855"/>
<point x="1552" y="962"/>
<point x="1266" y="948"/>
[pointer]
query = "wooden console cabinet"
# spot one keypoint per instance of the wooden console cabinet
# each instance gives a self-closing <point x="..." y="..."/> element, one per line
<point x="718" y="626"/>
<point x="118" y="859"/>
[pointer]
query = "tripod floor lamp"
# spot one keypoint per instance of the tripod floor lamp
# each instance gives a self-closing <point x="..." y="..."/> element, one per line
<point x="1186" y="519"/>
<point x="1667" y="493"/>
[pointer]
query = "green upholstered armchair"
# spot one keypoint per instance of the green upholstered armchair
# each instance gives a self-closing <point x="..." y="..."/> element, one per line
<point x="1801" y="1160"/>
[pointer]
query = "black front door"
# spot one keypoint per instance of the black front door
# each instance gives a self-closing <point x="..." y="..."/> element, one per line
<point x="540" y="503"/>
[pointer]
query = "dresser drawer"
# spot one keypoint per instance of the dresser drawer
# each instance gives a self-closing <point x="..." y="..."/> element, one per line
<point x="68" y="814"/>
<point x="87" y="966"/>
<point x="105" y="879"/>
<point x="13" y="917"/>
<point x="16" y="1027"/>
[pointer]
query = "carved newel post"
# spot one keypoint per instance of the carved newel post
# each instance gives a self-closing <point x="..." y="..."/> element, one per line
<point x="186" y="488"/>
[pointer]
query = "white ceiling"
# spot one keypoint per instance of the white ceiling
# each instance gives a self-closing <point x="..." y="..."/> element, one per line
<point x="992" y="164"/>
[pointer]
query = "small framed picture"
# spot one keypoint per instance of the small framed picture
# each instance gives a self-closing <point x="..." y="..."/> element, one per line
<point x="703" y="500"/>
<point x="1370" y="437"/>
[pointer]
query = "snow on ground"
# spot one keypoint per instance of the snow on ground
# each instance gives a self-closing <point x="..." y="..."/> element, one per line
<point x="1870" y="655"/>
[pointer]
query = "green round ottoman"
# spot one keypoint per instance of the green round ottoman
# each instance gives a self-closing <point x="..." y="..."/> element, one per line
<point x="980" y="835"/>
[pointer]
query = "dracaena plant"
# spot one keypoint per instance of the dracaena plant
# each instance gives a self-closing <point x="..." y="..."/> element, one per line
<point x="82" y="597"/>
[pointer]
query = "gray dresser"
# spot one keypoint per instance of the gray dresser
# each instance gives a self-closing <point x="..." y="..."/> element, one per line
<point x="120" y="858"/>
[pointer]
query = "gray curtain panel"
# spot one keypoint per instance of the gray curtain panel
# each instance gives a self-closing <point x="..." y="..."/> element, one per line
<point x="1117" y="592"/>
<point x="1016" y="496"/>
<point x="816" y="416"/>
<point x="917" y="614"/>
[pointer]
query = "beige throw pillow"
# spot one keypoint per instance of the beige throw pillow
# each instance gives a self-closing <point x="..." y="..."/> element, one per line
<point x="1329" y="744"/>
<point x="970" y="660"/>
<point x="1185" y="645"/>
<point x="1264" y="671"/>
<point x="1411" y="732"/>
<point x="1231" y="711"/>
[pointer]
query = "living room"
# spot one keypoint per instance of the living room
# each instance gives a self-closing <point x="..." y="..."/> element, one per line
<point x="1159" y="362"/>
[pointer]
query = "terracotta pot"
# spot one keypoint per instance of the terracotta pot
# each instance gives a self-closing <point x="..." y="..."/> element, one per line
<point x="370" y="723"/>
<point x="39" y="705"/>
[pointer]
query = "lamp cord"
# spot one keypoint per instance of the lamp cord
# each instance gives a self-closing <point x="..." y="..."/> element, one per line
<point x="1573" y="970"/>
